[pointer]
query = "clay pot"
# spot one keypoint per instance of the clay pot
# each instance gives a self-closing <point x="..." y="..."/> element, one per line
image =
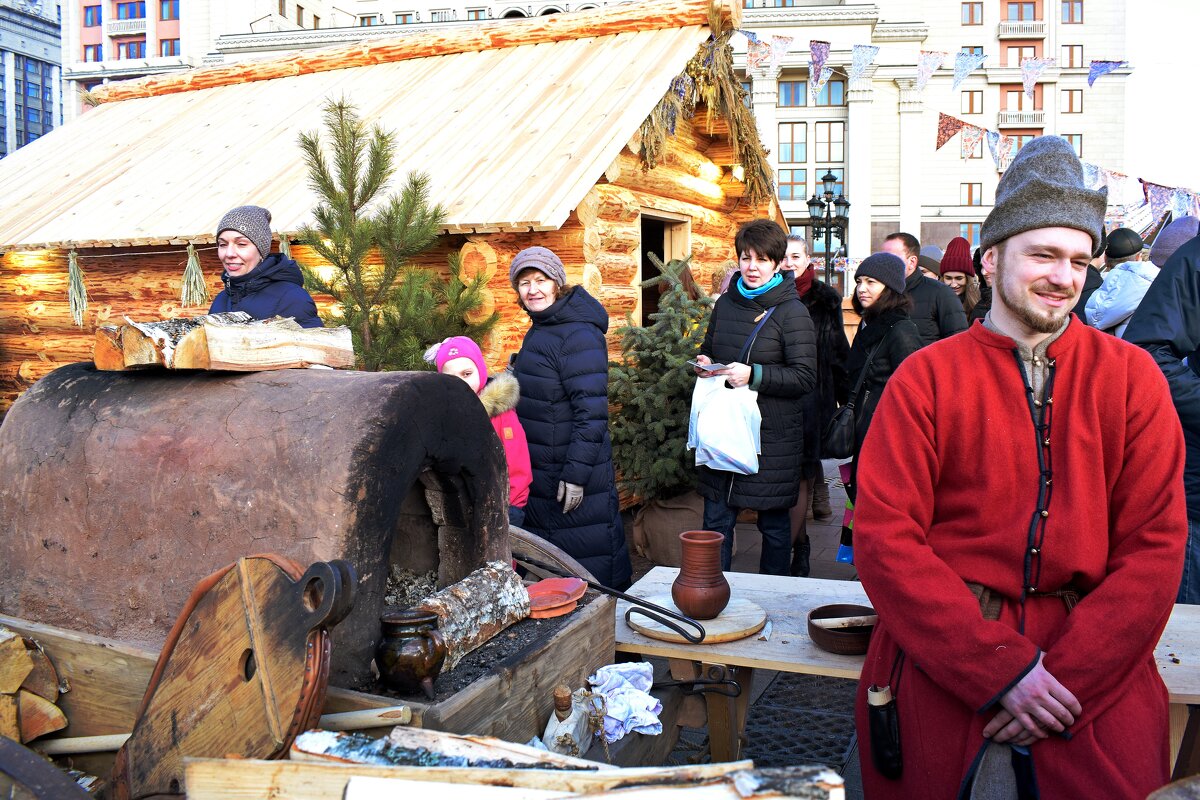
<point x="411" y="652"/>
<point x="701" y="590"/>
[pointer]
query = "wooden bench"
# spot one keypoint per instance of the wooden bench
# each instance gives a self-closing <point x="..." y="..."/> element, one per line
<point x="787" y="602"/>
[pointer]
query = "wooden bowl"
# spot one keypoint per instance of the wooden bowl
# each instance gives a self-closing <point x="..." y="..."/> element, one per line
<point x="843" y="641"/>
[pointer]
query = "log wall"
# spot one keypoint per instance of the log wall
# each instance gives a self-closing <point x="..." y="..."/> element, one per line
<point x="598" y="244"/>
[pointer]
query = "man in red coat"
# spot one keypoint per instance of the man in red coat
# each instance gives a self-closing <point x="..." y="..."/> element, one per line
<point x="1020" y="529"/>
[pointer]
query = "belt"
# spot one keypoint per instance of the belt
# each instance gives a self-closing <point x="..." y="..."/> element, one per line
<point x="990" y="600"/>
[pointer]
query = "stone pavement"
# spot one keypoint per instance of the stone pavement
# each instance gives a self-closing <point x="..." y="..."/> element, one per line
<point x="793" y="719"/>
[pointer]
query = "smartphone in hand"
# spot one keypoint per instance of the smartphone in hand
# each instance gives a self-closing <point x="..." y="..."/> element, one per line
<point x="707" y="367"/>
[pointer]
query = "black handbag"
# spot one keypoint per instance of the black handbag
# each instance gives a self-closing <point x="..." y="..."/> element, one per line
<point x="838" y="439"/>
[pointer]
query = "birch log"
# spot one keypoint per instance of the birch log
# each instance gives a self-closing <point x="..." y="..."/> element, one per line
<point x="477" y="608"/>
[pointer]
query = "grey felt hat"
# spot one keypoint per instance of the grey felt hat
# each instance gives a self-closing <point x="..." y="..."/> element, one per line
<point x="1044" y="188"/>
<point x="886" y="268"/>
<point x="253" y="222"/>
<point x="543" y="260"/>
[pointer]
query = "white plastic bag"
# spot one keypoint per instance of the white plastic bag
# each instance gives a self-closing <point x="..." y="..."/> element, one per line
<point x="724" y="427"/>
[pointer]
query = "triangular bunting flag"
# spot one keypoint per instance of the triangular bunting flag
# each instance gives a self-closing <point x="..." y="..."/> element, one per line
<point x="947" y="127"/>
<point x="1031" y="70"/>
<point x="964" y="65"/>
<point x="1098" y="69"/>
<point x="927" y="63"/>
<point x="861" y="58"/>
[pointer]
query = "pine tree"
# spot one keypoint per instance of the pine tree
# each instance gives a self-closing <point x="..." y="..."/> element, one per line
<point x="651" y="388"/>
<point x="393" y="309"/>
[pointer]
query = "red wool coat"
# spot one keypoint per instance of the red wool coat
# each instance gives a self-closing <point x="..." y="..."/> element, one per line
<point x="948" y="486"/>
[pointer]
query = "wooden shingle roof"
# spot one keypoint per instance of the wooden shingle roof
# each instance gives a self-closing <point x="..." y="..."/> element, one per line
<point x="513" y="122"/>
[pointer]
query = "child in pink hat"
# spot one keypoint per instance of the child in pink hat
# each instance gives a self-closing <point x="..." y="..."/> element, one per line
<point x="461" y="357"/>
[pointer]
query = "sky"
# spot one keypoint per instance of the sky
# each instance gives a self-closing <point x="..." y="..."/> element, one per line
<point x="1163" y="97"/>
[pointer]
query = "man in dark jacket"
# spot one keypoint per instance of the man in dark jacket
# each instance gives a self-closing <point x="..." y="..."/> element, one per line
<point x="936" y="310"/>
<point x="824" y="306"/>
<point x="261" y="283"/>
<point x="779" y="362"/>
<point x="1123" y="244"/>
<point x="1167" y="325"/>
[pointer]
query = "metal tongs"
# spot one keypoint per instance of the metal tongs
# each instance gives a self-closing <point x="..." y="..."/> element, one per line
<point x="662" y="616"/>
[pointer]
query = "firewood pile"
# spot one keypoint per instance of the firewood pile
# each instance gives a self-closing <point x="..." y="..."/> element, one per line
<point x="227" y="341"/>
<point x="29" y="689"/>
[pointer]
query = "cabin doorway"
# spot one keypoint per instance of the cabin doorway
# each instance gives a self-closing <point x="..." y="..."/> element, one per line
<point x="665" y="235"/>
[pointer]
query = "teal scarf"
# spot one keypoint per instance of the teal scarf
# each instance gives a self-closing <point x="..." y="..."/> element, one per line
<point x="766" y="287"/>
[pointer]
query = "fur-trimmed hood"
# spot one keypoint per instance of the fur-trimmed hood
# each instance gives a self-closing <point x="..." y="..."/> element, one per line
<point x="500" y="394"/>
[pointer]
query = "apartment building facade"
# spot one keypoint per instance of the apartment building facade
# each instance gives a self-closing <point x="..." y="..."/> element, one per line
<point x="106" y="40"/>
<point x="30" y="98"/>
<point x="877" y="135"/>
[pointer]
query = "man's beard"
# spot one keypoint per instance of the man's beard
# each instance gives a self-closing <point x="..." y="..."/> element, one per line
<point x="1022" y="307"/>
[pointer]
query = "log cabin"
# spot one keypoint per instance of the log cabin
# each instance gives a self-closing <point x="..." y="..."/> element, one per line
<point x="548" y="131"/>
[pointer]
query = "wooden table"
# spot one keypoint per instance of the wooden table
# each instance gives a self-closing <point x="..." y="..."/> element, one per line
<point x="787" y="602"/>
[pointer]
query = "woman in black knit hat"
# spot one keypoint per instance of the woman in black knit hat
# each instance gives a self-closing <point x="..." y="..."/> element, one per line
<point x="885" y="337"/>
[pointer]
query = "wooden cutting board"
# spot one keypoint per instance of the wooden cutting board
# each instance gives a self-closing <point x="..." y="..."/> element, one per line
<point x="740" y="619"/>
<point x="238" y="672"/>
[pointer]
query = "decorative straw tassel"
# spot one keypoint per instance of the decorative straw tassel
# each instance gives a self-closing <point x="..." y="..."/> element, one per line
<point x="285" y="247"/>
<point x="195" y="290"/>
<point x="76" y="291"/>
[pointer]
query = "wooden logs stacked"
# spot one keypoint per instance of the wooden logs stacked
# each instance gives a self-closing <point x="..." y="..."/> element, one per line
<point x="229" y="341"/>
<point x="29" y="689"/>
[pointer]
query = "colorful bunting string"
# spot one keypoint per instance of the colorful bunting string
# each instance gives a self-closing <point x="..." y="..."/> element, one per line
<point x="972" y="136"/>
<point x="758" y="53"/>
<point x="1099" y="69"/>
<point x="964" y="65"/>
<point x="1031" y="70"/>
<point x="818" y="54"/>
<point x="826" y="74"/>
<point x="928" y="62"/>
<point x="947" y="127"/>
<point x="779" y="48"/>
<point x="861" y="58"/>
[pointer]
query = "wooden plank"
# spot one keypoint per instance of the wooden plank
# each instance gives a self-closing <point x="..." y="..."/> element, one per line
<point x="210" y="779"/>
<point x="9" y="726"/>
<point x="654" y="15"/>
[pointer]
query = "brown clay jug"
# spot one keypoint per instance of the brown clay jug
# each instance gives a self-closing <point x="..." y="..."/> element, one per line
<point x="411" y="651"/>
<point x="700" y="590"/>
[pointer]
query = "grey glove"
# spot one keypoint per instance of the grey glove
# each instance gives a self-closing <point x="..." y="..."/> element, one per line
<point x="571" y="495"/>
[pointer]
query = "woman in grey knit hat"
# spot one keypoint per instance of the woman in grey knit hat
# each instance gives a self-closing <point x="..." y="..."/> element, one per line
<point x="261" y="283"/>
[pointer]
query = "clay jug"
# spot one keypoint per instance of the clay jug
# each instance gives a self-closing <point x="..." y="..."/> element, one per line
<point x="700" y="590"/>
<point x="411" y="651"/>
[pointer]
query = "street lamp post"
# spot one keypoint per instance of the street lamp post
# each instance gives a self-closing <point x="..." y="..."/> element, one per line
<point x="827" y="215"/>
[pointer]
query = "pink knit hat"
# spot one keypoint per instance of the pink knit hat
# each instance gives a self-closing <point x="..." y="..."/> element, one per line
<point x="461" y="347"/>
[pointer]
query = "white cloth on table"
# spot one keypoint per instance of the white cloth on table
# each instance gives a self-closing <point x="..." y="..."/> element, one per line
<point x="629" y="706"/>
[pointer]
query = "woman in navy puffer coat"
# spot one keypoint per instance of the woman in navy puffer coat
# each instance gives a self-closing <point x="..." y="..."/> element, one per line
<point x="563" y="372"/>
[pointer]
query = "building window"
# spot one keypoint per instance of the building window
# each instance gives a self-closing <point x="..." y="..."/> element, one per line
<point x="970" y="232"/>
<point x="1076" y="140"/>
<point x="131" y="10"/>
<point x="832" y="94"/>
<point x="476" y="13"/>
<point x="33" y="90"/>
<point x="793" y="94"/>
<point x="1072" y="56"/>
<point x="1015" y="99"/>
<point x="1017" y="54"/>
<point x="300" y="15"/>
<point x="831" y="141"/>
<point x="168" y="47"/>
<point x="780" y="3"/>
<point x="972" y="102"/>
<point x="970" y="194"/>
<point x="406" y="18"/>
<point x="316" y="22"/>
<point x="1072" y="12"/>
<point x="168" y="9"/>
<point x="1021" y="12"/>
<point x="793" y="184"/>
<point x="444" y="15"/>
<point x="1022" y="139"/>
<point x="746" y="98"/>
<point x="91" y="16"/>
<point x="366" y="20"/>
<point x="93" y="52"/>
<point x="135" y="48"/>
<point x="33" y="115"/>
<point x="972" y="13"/>
<point x="793" y="142"/>
<point x="973" y="50"/>
<point x="1072" y="101"/>
<point x="283" y="8"/>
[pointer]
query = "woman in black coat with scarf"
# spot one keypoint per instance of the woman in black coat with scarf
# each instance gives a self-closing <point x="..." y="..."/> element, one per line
<point x="563" y="373"/>
<point x="886" y="336"/>
<point x="781" y="367"/>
